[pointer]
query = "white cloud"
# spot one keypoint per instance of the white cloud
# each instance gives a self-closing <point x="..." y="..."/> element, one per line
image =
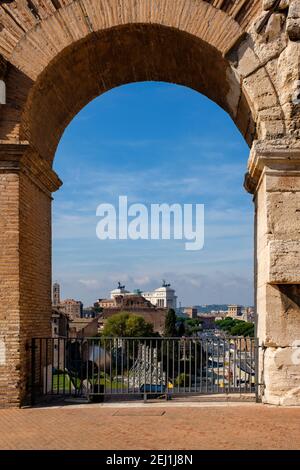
<point x="90" y="283"/>
<point x="192" y="288"/>
<point x="142" y="281"/>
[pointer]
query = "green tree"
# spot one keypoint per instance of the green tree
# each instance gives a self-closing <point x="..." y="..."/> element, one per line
<point x="170" y="324"/>
<point x="243" y="329"/>
<point x="192" y="326"/>
<point x="236" y="327"/>
<point x="137" y="326"/>
<point x="97" y="309"/>
<point x="226" y="324"/>
<point x="126" y="324"/>
<point x="181" y="329"/>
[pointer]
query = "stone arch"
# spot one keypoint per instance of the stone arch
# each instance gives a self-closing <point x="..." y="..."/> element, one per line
<point x="122" y="55"/>
<point x="40" y="37"/>
<point x="56" y="55"/>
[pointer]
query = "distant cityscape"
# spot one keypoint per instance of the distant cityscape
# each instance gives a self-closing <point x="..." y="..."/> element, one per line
<point x="70" y="317"/>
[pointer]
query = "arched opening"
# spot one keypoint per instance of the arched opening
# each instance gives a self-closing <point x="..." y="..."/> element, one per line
<point x="155" y="143"/>
<point x="81" y="72"/>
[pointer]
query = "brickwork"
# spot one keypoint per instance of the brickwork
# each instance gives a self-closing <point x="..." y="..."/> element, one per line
<point x="9" y="287"/>
<point x="25" y="254"/>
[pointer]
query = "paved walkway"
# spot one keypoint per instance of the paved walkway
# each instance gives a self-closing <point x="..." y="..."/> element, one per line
<point x="161" y="426"/>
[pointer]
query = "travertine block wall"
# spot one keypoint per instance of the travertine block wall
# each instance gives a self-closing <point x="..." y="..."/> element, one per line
<point x="277" y="201"/>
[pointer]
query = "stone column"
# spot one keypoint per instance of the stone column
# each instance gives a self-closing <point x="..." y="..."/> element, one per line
<point x="26" y="184"/>
<point x="274" y="179"/>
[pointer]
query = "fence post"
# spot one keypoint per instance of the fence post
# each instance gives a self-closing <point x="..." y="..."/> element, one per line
<point x="256" y="364"/>
<point x="33" y="348"/>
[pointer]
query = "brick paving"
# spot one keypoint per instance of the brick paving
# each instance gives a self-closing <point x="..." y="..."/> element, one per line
<point x="162" y="427"/>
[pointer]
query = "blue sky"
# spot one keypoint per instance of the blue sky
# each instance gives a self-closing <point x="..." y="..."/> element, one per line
<point x="155" y="143"/>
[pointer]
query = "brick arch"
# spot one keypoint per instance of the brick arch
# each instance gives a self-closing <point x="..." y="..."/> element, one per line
<point x="41" y="28"/>
<point x="67" y="52"/>
<point x="123" y="55"/>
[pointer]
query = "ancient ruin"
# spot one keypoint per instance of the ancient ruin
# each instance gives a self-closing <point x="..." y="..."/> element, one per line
<point x="57" y="55"/>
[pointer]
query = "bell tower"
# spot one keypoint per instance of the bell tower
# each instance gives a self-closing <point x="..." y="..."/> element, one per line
<point x="56" y="294"/>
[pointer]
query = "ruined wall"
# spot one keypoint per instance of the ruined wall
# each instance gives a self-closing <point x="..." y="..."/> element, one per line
<point x="25" y="266"/>
<point x="58" y="55"/>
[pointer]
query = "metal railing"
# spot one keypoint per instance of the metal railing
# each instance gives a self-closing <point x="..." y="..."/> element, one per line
<point x="142" y="367"/>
